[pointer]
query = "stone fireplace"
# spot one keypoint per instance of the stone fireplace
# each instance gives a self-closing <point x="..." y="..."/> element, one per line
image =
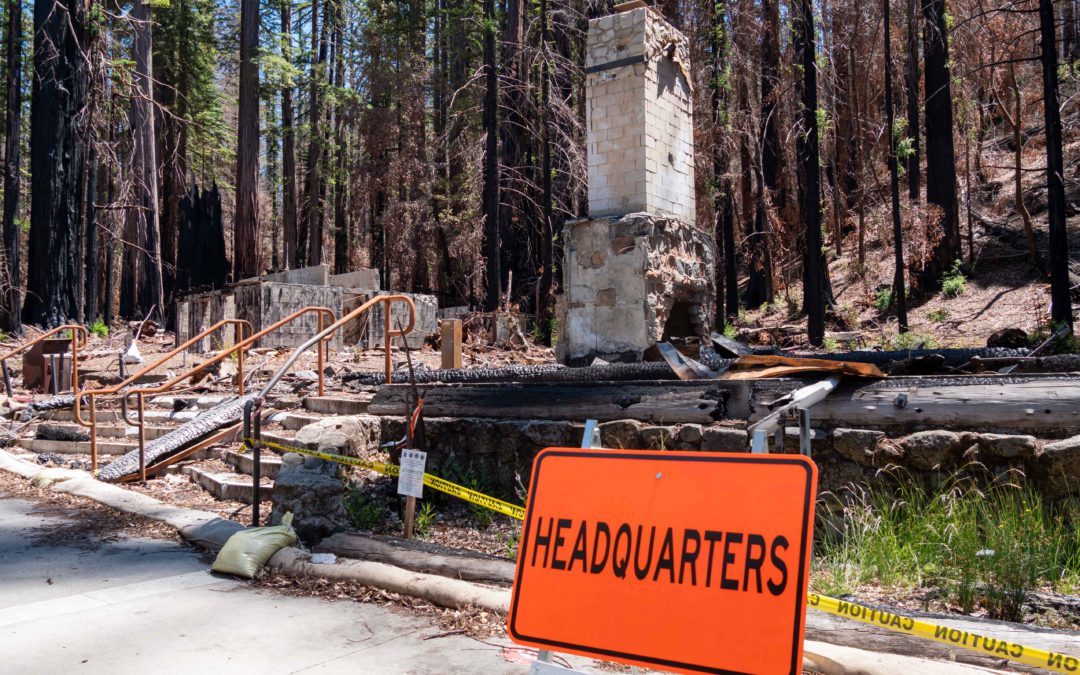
<point x="638" y="270"/>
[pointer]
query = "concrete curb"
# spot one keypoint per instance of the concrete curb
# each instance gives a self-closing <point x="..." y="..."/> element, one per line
<point x="210" y="531"/>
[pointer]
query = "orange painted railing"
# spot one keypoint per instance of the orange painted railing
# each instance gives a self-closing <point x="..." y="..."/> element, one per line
<point x="76" y="345"/>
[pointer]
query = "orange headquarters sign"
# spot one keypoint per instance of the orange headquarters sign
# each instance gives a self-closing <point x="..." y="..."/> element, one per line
<point x="685" y="561"/>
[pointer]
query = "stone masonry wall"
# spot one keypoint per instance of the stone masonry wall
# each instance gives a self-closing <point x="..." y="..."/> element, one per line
<point x="640" y="117"/>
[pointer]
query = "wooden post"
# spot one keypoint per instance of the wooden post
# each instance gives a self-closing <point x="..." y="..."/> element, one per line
<point x="410" y="516"/>
<point x="451" y="343"/>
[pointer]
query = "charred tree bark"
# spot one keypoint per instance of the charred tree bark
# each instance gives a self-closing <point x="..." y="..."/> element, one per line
<point x="57" y="159"/>
<point x="911" y="83"/>
<point x="313" y="213"/>
<point x="810" y="172"/>
<point x="1060" y="301"/>
<point x="723" y="196"/>
<point x="341" y="226"/>
<point x="544" y="310"/>
<point x="291" y="243"/>
<point x="246" y="258"/>
<point x="491" y="163"/>
<point x="11" y="305"/>
<point x="899" y="292"/>
<point x="940" y="155"/>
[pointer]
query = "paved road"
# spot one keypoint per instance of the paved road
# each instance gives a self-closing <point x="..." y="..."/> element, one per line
<point x="146" y="606"/>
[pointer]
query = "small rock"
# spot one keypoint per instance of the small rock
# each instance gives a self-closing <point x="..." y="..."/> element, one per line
<point x="929" y="450"/>
<point x="858" y="445"/>
<point x="347" y="434"/>
<point x="310" y="488"/>
<point x="623" y="434"/>
<point x="1004" y="446"/>
<point x="1008" y="338"/>
<point x="690" y="433"/>
<point x="658" y="438"/>
<point x="719" y="439"/>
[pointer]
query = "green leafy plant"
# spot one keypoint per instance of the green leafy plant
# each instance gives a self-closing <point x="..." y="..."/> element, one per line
<point x="425" y="518"/>
<point x="511" y="543"/>
<point x="100" y="329"/>
<point x="954" y="282"/>
<point x="729" y="331"/>
<point x="364" y="514"/>
<point x="910" y="340"/>
<point x="938" y="315"/>
<point x="831" y="344"/>
<point x="883" y="300"/>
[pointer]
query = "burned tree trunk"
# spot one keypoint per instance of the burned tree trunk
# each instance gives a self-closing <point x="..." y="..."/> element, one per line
<point x="141" y="117"/>
<point x="1060" y="301"/>
<point x="911" y="83"/>
<point x="894" y="180"/>
<point x="291" y="237"/>
<point x="57" y="160"/>
<point x="810" y="173"/>
<point x="313" y="213"/>
<point x="201" y="261"/>
<point x="10" y="306"/>
<point x="491" y="163"/>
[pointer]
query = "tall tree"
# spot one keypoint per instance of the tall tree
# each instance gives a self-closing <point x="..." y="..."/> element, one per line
<point x="911" y="84"/>
<point x="810" y="172"/>
<point x="57" y="159"/>
<point x="145" y="211"/>
<point x="940" y="155"/>
<point x="313" y="210"/>
<point x="544" y="310"/>
<point x="899" y="292"/>
<point x="246" y="255"/>
<point x="1060" y="300"/>
<point x="290" y="236"/>
<point x="11" y="297"/>
<point x="491" y="163"/>
<point x="723" y="196"/>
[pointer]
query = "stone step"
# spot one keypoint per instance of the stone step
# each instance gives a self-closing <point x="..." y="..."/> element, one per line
<point x="286" y="439"/>
<point x="201" y="402"/>
<point x="74" y="447"/>
<point x="334" y="405"/>
<point x="114" y="431"/>
<point x="244" y="462"/>
<point x="294" y="421"/>
<point x="231" y="486"/>
<point x="113" y="416"/>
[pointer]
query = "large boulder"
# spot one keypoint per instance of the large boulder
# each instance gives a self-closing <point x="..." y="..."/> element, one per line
<point x="1007" y="447"/>
<point x="719" y="439"/>
<point x="929" y="450"/>
<point x="347" y="435"/>
<point x="310" y="488"/>
<point x="1059" y="467"/>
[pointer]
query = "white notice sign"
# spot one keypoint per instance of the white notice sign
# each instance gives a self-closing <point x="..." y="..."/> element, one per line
<point x="411" y="478"/>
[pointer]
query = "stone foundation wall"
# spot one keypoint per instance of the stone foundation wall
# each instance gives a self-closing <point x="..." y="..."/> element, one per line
<point x="496" y="452"/>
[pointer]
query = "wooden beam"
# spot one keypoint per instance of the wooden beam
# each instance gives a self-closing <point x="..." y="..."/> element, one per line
<point x="451" y="343"/>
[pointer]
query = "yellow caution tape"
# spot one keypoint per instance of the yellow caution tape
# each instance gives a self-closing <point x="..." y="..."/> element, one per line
<point x="433" y="482"/>
<point x="956" y="637"/>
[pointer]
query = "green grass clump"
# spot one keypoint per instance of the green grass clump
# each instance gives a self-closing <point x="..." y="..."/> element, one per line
<point x="364" y="514"/>
<point x="831" y="344"/>
<point x="904" y="341"/>
<point x="985" y="546"/>
<point x="729" y="331"/>
<point x="883" y="300"/>
<point x="100" y="329"/>
<point x="425" y="518"/>
<point x="954" y="282"/>
<point x="938" y="315"/>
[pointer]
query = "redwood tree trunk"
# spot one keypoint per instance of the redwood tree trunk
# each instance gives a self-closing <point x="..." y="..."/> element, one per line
<point x="57" y="159"/>
<point x="246" y="259"/>
<point x="313" y="214"/>
<point x="940" y="156"/>
<point x="810" y="172"/>
<point x="894" y="180"/>
<point x="911" y="83"/>
<point x="291" y="237"/>
<point x="1060" y="301"/>
<point x="491" y="163"/>
<point x="10" y="307"/>
<point x="145" y="170"/>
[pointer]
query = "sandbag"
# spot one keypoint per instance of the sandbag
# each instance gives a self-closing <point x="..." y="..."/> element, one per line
<point x="245" y="553"/>
<point x="49" y="477"/>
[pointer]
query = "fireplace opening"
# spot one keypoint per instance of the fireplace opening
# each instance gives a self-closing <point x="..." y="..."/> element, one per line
<point x="678" y="324"/>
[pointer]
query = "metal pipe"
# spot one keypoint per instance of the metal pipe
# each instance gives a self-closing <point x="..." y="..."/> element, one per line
<point x="321" y="348"/>
<point x="388" y="367"/>
<point x="142" y="442"/>
<point x="256" y="473"/>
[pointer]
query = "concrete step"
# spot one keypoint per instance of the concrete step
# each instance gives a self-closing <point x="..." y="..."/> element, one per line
<point x="74" y="447"/>
<point x="244" y="462"/>
<point x="233" y="487"/>
<point x="334" y="405"/>
<point x="114" y="417"/>
<point x="201" y="402"/>
<point x="286" y="439"/>
<point x="115" y="431"/>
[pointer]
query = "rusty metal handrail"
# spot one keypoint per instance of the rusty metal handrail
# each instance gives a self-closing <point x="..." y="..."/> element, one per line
<point x="92" y="394"/>
<point x="238" y="348"/>
<point x="323" y="335"/>
<point x="76" y="332"/>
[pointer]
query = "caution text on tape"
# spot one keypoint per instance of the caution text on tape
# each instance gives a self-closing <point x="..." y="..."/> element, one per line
<point x="956" y="637"/>
<point x="433" y="482"/>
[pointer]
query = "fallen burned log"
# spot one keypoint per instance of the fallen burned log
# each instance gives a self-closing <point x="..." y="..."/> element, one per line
<point x="205" y="424"/>
<point x="422" y="557"/>
<point x="57" y="432"/>
<point x="846" y="632"/>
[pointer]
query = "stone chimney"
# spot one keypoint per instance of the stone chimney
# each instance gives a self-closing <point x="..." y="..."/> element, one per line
<point x="640" y="116"/>
<point x="638" y="270"/>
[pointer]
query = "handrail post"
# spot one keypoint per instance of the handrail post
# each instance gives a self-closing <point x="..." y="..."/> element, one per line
<point x="387" y="363"/>
<point x="240" y="360"/>
<point x="320" y="347"/>
<point x="93" y="432"/>
<point x="142" y="441"/>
